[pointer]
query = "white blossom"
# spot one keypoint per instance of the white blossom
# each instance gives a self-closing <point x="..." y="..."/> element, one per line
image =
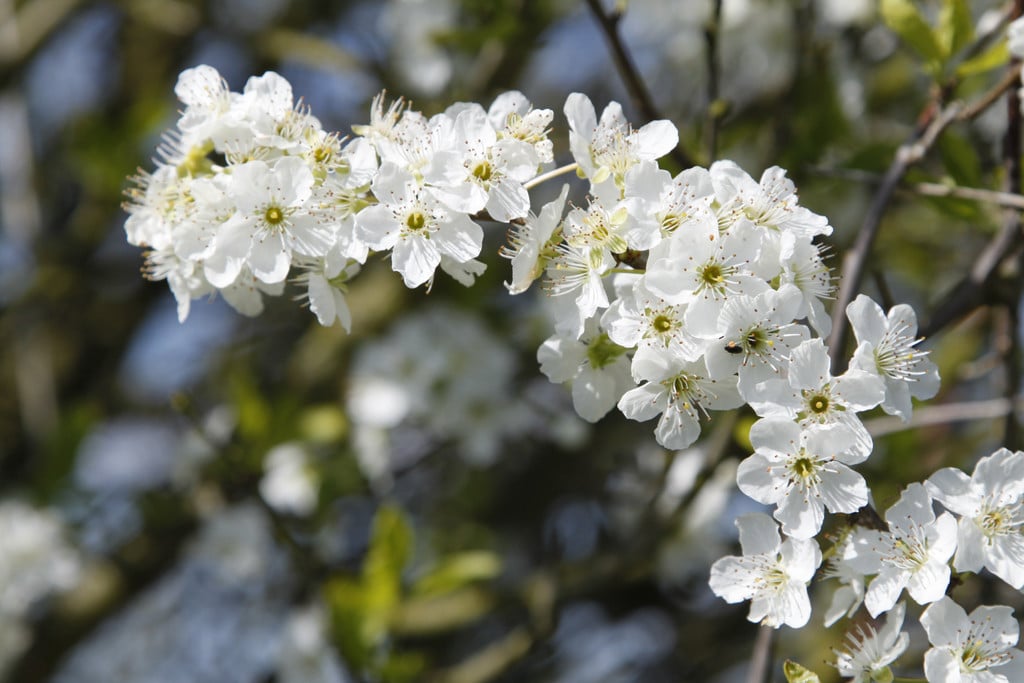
<point x="705" y="271"/>
<point x="597" y="367"/>
<point x="810" y="395"/>
<point x="754" y="336"/>
<point x="677" y="389"/>
<point x="417" y="227"/>
<point x="770" y="204"/>
<point x="990" y="504"/>
<point x="869" y="652"/>
<point x="271" y="222"/>
<point x="474" y="170"/>
<point x="803" y="471"/>
<point x="975" y="648"/>
<point x="513" y="117"/>
<point x="671" y="204"/>
<point x="913" y="554"/>
<point x="531" y="244"/>
<point x="638" y="317"/>
<point x="609" y="147"/>
<point x="773" y="574"/>
<point x="886" y="347"/>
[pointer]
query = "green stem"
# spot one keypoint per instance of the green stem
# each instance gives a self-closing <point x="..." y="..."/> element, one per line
<point x="544" y="177"/>
<point x="628" y="271"/>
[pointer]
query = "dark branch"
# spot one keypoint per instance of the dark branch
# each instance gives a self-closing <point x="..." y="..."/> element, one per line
<point x="855" y="263"/>
<point x="609" y="22"/>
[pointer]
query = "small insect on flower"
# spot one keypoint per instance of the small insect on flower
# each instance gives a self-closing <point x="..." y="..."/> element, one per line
<point x="733" y="348"/>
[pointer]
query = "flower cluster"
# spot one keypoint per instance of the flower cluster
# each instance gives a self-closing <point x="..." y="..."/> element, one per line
<point x="672" y="297"/>
<point x="249" y="189"/>
<point x="979" y="529"/>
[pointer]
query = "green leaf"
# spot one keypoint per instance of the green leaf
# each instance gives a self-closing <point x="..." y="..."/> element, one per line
<point x="457" y="570"/>
<point x="903" y="18"/>
<point x="402" y="667"/>
<point x="390" y="548"/>
<point x="796" y="673"/>
<point x="346" y="600"/>
<point x="955" y="28"/>
<point x="390" y="544"/>
<point x="996" y="56"/>
<point x="253" y="410"/>
<point x="960" y="159"/>
<point x="437" y="613"/>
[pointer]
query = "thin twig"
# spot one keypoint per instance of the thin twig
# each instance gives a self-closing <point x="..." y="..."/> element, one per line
<point x="1006" y="83"/>
<point x="609" y="22"/>
<point x="1005" y="199"/>
<point x="760" y="660"/>
<point x="973" y="290"/>
<point x="1011" y="221"/>
<point x="948" y="413"/>
<point x="714" y="107"/>
<point x="856" y="259"/>
<point x="544" y="177"/>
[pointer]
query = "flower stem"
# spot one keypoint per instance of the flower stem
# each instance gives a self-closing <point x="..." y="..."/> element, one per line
<point x="544" y="177"/>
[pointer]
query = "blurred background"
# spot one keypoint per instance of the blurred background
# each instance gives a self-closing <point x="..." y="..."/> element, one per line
<point x="254" y="500"/>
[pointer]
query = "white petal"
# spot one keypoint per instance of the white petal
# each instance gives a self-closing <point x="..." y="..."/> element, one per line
<point x="970" y="547"/>
<point x="775" y="433"/>
<point x="953" y="489"/>
<point x="677" y="429"/>
<point x="320" y="300"/>
<point x="269" y="258"/>
<point x="757" y="479"/>
<point x="730" y="579"/>
<point x="942" y="666"/>
<point x="929" y="583"/>
<point x="844" y="491"/>
<point x="801" y="517"/>
<point x="1006" y="559"/>
<point x="644" y="402"/>
<point x="867" y="319"/>
<point x="945" y="622"/>
<point x="758" y="534"/>
<point x="376" y="227"/>
<point x="416" y="259"/>
<point x="884" y="590"/>
<point x="809" y="365"/>
<point x="459" y="238"/>
<point x="859" y="390"/>
<point x="508" y="200"/>
<point x="595" y="392"/>
<point x="656" y="139"/>
<point x="560" y="359"/>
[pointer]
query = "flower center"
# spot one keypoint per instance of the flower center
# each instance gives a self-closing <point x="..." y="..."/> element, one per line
<point x="803" y="467"/>
<point x="273" y="215"/>
<point x="680" y="386"/>
<point x="981" y="655"/>
<point x="672" y="221"/>
<point x="322" y="154"/>
<point x="483" y="171"/>
<point x="818" y="404"/>
<point x="662" y="324"/>
<point x="756" y="339"/>
<point x="415" y="221"/>
<point x="711" y="274"/>
<point x="1000" y="521"/>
